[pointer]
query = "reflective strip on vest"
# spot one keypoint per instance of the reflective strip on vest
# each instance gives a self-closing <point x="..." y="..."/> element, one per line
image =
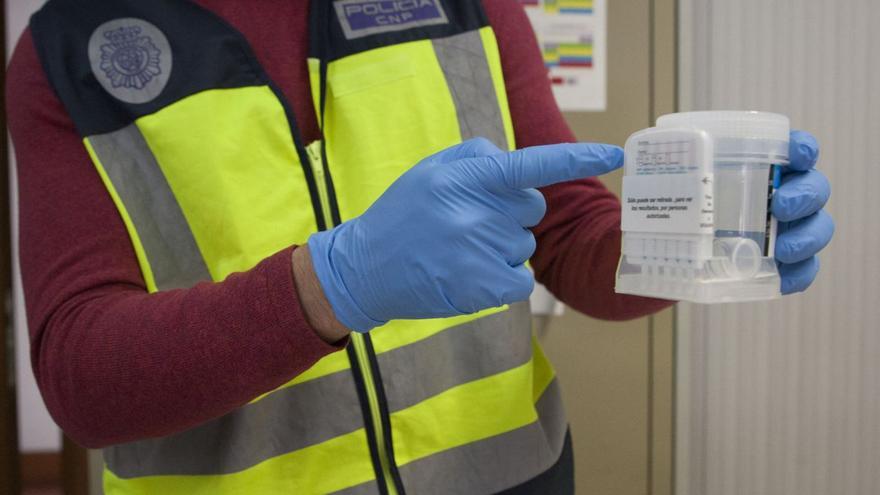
<point x="171" y="463"/>
<point x="167" y="252"/>
<point x="465" y="65"/>
<point x="512" y="457"/>
<point x="418" y="372"/>
<point x="212" y="177"/>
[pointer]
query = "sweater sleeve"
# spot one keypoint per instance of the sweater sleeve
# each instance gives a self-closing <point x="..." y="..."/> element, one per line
<point x="579" y="238"/>
<point x="113" y="362"/>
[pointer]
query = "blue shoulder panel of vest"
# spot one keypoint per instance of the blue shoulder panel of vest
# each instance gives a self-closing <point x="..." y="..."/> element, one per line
<point x="113" y="61"/>
<point x="340" y="28"/>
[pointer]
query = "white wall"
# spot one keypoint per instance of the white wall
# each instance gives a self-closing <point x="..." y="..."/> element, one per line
<point x="37" y="432"/>
<point x="783" y="398"/>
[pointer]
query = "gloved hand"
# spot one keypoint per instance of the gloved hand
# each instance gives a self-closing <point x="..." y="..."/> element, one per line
<point x="804" y="227"/>
<point x="450" y="236"/>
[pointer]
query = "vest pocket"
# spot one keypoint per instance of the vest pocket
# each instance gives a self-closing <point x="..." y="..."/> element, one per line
<point x="386" y="109"/>
<point x="349" y="76"/>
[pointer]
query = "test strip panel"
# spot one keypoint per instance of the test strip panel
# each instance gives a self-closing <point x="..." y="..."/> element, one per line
<point x="668" y="198"/>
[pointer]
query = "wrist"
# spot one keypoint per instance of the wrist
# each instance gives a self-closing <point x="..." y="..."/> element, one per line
<point x="317" y="309"/>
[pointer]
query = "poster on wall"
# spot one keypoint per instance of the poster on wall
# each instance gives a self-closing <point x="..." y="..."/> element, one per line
<point x="571" y="34"/>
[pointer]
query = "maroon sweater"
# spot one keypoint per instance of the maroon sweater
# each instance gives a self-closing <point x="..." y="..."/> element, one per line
<point x="117" y="364"/>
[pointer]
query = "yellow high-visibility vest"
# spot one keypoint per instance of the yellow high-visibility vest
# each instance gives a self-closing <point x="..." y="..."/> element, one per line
<point x="203" y="159"/>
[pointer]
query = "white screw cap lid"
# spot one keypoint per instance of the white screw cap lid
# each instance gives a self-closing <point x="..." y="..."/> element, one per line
<point x="732" y="124"/>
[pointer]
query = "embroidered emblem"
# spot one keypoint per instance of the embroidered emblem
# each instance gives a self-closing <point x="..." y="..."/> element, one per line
<point x="360" y="18"/>
<point x="131" y="59"/>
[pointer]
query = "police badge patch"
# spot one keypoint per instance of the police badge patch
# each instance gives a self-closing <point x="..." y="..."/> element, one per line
<point x="360" y="18"/>
<point x="131" y="59"/>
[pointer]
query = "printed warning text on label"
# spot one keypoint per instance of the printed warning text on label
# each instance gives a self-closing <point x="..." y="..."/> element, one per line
<point x="671" y="204"/>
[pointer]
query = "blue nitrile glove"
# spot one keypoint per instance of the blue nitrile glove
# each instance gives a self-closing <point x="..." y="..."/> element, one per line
<point x="448" y="237"/>
<point x="804" y="227"/>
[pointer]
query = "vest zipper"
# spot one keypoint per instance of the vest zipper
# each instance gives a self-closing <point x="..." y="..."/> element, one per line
<point x="327" y="216"/>
<point x="359" y="344"/>
<point x="360" y="350"/>
<point x="314" y="152"/>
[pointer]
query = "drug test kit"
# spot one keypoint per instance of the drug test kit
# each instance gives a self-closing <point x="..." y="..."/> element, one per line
<point x="696" y="207"/>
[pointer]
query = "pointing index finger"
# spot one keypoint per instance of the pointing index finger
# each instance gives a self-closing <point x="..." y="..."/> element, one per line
<point x="541" y="166"/>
